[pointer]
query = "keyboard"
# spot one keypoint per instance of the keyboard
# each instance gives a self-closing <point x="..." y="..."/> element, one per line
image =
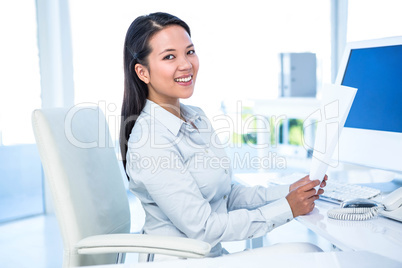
<point x="338" y="192"/>
<point x="334" y="192"/>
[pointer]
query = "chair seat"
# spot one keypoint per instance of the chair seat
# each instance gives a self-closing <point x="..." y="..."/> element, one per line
<point x="176" y="246"/>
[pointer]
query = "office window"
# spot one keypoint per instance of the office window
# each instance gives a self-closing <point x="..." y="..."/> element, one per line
<point x="238" y="43"/>
<point x="294" y="134"/>
<point x="20" y="168"/>
<point x="371" y="19"/>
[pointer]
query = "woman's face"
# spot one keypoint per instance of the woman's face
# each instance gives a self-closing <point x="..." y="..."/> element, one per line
<point x="172" y="66"/>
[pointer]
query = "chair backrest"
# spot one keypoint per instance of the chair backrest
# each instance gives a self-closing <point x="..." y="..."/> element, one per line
<point x="84" y="177"/>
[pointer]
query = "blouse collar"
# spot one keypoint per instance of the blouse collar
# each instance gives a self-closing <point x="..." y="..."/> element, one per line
<point x="170" y="121"/>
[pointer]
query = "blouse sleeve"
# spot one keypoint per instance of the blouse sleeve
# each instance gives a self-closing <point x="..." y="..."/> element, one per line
<point x="253" y="197"/>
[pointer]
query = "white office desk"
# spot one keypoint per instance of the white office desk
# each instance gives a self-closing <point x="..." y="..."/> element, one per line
<point x="380" y="235"/>
<point x="301" y="260"/>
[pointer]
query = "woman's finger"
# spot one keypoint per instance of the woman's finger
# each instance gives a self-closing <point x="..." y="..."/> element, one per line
<point x="310" y="185"/>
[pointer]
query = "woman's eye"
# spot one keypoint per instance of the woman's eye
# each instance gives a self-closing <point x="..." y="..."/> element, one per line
<point x="191" y="52"/>
<point x="169" y="57"/>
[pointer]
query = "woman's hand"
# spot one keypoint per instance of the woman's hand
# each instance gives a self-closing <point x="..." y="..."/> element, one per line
<point x="302" y="195"/>
<point x="305" y="180"/>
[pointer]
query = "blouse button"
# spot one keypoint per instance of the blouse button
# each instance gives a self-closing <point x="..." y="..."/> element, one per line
<point x="226" y="171"/>
<point x="225" y="196"/>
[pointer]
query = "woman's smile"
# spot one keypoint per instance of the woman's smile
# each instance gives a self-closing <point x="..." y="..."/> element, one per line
<point x="184" y="80"/>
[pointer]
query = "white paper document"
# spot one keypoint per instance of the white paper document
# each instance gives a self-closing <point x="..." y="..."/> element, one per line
<point x="335" y="106"/>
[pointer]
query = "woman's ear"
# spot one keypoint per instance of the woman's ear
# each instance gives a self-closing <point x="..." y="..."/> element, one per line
<point x="142" y="73"/>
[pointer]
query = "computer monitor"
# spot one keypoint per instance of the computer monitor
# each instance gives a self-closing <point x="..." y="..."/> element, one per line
<point x="372" y="135"/>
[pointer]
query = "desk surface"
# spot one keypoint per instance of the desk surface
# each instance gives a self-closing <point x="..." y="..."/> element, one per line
<point x="304" y="260"/>
<point x="380" y="235"/>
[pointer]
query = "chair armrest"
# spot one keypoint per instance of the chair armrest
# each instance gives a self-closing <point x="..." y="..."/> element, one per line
<point x="140" y="243"/>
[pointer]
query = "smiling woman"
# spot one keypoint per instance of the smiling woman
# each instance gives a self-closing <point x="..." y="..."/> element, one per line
<point x="175" y="163"/>
<point x="163" y="42"/>
<point x="174" y="66"/>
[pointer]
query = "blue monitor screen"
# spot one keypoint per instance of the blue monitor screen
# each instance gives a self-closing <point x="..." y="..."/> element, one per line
<point x="377" y="74"/>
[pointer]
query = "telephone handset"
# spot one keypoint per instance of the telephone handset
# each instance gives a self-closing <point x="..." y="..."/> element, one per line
<point x="364" y="209"/>
<point x="393" y="205"/>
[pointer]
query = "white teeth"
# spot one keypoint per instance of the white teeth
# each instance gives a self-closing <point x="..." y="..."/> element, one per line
<point x="183" y="79"/>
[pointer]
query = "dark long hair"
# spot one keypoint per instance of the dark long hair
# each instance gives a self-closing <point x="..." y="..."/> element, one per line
<point x="136" y="50"/>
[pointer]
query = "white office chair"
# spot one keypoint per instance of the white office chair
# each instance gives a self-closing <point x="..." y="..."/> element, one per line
<point x="90" y="200"/>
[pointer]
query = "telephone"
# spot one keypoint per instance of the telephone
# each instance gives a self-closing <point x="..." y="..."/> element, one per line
<point x="364" y="209"/>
